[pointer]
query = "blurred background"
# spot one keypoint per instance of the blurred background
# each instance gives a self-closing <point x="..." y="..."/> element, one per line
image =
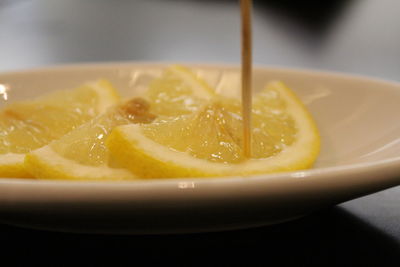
<point x="356" y="36"/>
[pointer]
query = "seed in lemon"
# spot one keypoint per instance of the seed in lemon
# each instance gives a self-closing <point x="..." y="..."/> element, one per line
<point x="208" y="142"/>
<point x="28" y="125"/>
<point x="81" y="154"/>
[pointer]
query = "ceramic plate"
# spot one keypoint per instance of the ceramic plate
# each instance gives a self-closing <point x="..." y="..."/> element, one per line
<point x="360" y="130"/>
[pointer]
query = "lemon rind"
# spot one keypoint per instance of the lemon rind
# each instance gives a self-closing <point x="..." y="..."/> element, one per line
<point x="12" y="166"/>
<point x="106" y="98"/>
<point x="201" y="88"/>
<point x="45" y="163"/>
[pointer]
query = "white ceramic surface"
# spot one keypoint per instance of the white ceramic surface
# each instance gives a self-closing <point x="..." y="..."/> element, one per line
<point x="357" y="117"/>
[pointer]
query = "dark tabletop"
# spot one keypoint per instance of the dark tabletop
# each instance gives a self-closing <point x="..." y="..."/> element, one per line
<point x="361" y="37"/>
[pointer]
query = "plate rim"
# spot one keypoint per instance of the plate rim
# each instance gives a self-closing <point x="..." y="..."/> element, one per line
<point x="199" y="64"/>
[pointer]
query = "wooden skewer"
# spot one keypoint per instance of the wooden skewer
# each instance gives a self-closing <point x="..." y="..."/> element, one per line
<point x="246" y="6"/>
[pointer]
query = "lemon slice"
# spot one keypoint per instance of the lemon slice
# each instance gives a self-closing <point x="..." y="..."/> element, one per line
<point x="28" y="125"/>
<point x="208" y="142"/>
<point x="178" y="91"/>
<point x="81" y="154"/>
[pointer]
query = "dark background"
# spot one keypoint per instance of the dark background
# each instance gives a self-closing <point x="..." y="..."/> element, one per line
<point x="361" y="37"/>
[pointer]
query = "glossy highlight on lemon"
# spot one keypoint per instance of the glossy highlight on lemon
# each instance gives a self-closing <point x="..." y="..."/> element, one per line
<point x="29" y="125"/>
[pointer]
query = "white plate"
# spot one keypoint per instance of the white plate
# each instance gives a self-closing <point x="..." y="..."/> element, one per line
<point x="360" y="130"/>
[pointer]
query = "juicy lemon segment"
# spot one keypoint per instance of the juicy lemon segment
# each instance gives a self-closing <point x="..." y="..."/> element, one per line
<point x="178" y="91"/>
<point x="208" y="134"/>
<point x="81" y="154"/>
<point x="28" y="125"/>
<point x="208" y="142"/>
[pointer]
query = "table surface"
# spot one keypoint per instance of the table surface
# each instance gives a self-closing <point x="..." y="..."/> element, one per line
<point x="358" y="37"/>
